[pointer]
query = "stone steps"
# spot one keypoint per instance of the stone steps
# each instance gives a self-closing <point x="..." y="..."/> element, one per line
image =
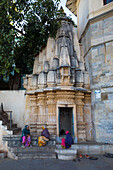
<point x="34" y="152"/>
<point x="14" y="140"/>
<point x="4" y="119"/>
<point x="48" y="151"/>
<point x="33" y="149"/>
<point x="66" y="154"/>
<point x="37" y="156"/>
<point x="14" y="129"/>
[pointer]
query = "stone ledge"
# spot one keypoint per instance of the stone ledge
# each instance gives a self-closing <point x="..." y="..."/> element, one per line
<point x="91" y="148"/>
<point x="59" y="88"/>
<point x="67" y="157"/>
<point x="66" y="154"/>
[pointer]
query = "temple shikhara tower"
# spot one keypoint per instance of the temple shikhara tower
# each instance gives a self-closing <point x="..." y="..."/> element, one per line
<point x="58" y="91"/>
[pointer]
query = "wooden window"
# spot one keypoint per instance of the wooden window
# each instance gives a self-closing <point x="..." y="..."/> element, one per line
<point x="107" y="1"/>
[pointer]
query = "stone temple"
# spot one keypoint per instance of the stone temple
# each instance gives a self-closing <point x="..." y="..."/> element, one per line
<point x="71" y="87"/>
<point x="58" y="91"/>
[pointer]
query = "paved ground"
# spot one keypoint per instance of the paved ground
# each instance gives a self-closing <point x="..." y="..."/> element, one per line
<point x="102" y="163"/>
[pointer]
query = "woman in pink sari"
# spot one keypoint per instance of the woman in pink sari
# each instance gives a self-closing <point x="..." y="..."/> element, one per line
<point x="63" y="143"/>
<point x="66" y="143"/>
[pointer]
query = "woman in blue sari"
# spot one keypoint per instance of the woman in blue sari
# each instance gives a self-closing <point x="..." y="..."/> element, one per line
<point x="68" y="140"/>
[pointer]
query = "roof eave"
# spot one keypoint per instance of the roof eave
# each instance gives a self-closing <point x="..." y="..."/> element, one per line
<point x="71" y="5"/>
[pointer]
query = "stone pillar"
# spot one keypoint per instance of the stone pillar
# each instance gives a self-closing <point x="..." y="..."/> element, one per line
<point x="88" y="116"/>
<point x="41" y="108"/>
<point x="80" y="117"/>
<point x="51" y="102"/>
<point x="79" y="78"/>
<point x="33" y="114"/>
<point x="86" y="80"/>
<point x="41" y="114"/>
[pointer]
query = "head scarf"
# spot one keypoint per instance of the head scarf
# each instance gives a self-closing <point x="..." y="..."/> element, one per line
<point x="43" y="127"/>
<point x="67" y="132"/>
<point x="26" y="127"/>
<point x="25" y="132"/>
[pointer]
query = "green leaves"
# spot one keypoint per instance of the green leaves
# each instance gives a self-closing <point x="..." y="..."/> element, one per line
<point x="25" y="26"/>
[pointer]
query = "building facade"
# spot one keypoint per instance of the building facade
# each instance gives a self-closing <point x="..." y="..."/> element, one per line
<point x="95" y="34"/>
<point x="58" y="92"/>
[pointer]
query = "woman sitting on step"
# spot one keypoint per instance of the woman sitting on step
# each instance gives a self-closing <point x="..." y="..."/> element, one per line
<point x="66" y="143"/>
<point x="25" y="138"/>
<point x="45" y="136"/>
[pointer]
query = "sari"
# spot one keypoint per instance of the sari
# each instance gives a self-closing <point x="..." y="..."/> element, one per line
<point x="45" y="136"/>
<point x="68" y="140"/>
<point x="25" y="137"/>
<point x="63" y="143"/>
<point x="42" y="141"/>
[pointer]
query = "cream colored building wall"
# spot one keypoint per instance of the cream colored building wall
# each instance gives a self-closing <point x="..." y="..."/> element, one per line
<point x="82" y="15"/>
<point x="15" y="101"/>
<point x="95" y="5"/>
<point x="88" y="9"/>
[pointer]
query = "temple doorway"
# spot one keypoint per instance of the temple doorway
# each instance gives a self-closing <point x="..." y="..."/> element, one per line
<point x="66" y="120"/>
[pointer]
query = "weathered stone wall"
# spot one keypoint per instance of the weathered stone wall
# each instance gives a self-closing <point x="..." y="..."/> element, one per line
<point x="98" y="52"/>
<point x="85" y="12"/>
<point x="98" y="32"/>
<point x="15" y="101"/>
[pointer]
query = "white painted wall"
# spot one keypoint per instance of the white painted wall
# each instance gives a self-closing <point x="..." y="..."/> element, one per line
<point x="3" y="131"/>
<point x="14" y="100"/>
<point x="82" y="15"/>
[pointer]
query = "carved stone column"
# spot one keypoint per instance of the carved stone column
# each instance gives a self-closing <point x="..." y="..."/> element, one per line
<point x="80" y="116"/>
<point x="51" y="103"/>
<point x="41" y="103"/>
<point x="33" y="113"/>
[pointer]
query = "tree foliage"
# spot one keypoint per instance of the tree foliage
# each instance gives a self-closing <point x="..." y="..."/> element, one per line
<point x="25" y="26"/>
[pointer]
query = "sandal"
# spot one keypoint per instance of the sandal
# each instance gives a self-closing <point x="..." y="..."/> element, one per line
<point x="87" y="156"/>
<point x="80" y="156"/>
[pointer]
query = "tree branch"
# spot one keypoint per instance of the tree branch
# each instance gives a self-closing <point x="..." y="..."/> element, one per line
<point x="20" y="31"/>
